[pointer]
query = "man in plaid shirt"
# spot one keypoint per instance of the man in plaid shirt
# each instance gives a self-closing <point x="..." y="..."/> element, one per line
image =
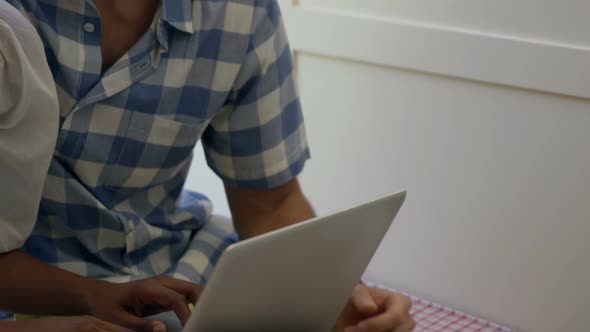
<point x="139" y="82"/>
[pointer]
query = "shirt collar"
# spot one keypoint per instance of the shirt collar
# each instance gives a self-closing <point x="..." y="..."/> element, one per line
<point x="179" y="14"/>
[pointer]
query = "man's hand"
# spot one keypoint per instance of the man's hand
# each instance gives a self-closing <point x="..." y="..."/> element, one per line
<point x="376" y="310"/>
<point x="127" y="304"/>
<point x="61" y="324"/>
<point x="50" y="291"/>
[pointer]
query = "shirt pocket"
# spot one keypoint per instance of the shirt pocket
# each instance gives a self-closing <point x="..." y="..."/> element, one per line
<point x="155" y="150"/>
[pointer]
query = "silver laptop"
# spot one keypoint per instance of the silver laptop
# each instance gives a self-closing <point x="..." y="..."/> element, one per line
<point x="297" y="278"/>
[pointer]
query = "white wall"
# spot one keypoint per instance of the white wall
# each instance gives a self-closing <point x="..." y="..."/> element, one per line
<point x="469" y="105"/>
<point x="563" y="21"/>
<point x="202" y="179"/>
<point x="496" y="221"/>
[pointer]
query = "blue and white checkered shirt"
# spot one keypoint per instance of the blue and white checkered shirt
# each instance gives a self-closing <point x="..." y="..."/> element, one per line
<point x="113" y="203"/>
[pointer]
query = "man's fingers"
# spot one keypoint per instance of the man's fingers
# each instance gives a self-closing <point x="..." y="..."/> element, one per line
<point x="188" y="289"/>
<point x="173" y="300"/>
<point x="152" y="296"/>
<point x="139" y="324"/>
<point x="408" y="327"/>
<point x="373" y="325"/>
<point x="363" y="301"/>
<point x="108" y="327"/>
<point x="394" y="318"/>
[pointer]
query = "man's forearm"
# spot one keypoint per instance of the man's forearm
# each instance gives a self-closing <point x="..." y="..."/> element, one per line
<point x="31" y="287"/>
<point x="9" y="326"/>
<point x="260" y="212"/>
<point x="293" y="210"/>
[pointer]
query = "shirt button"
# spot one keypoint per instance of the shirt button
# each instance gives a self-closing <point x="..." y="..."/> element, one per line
<point x="89" y="27"/>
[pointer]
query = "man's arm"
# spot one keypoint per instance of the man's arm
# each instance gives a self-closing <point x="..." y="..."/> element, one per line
<point x="259" y="211"/>
<point x="61" y="324"/>
<point x="29" y="286"/>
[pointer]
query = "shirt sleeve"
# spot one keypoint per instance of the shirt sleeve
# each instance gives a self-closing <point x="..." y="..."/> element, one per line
<point x="28" y="127"/>
<point x="258" y="140"/>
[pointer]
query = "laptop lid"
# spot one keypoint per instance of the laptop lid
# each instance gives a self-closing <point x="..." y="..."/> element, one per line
<point x="297" y="278"/>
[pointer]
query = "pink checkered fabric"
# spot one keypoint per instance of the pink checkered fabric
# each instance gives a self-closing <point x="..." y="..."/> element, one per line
<point x="431" y="317"/>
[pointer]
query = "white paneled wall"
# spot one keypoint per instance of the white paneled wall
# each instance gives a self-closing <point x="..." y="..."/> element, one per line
<point x="481" y="110"/>
<point x="565" y="22"/>
<point x="496" y="220"/>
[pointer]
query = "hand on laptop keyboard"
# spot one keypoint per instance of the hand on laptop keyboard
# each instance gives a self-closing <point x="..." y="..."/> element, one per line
<point x="127" y="304"/>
